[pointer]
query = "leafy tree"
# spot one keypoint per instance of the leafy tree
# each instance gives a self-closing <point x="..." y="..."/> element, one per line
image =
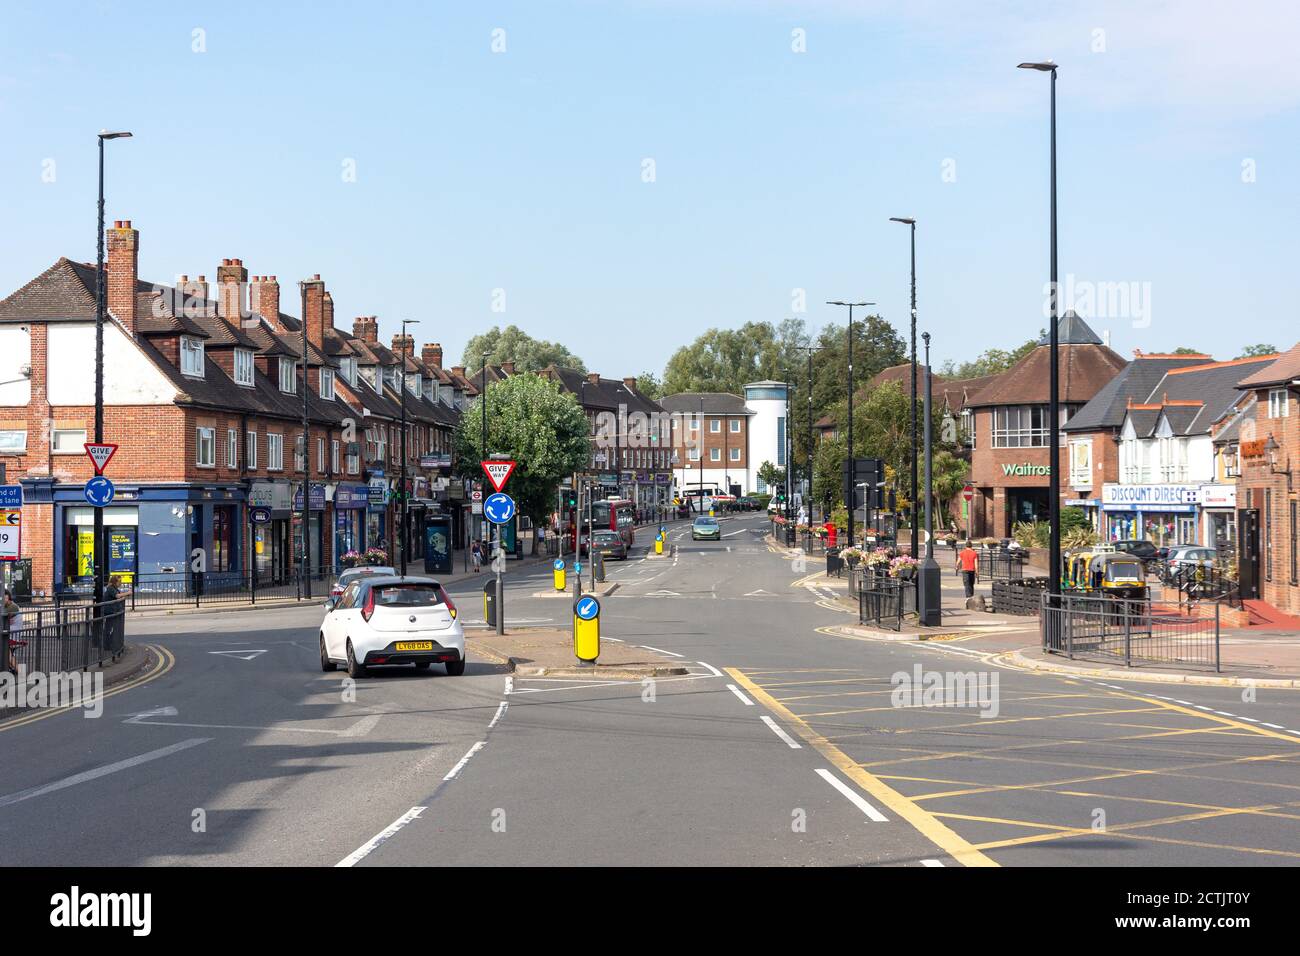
<point x="724" y="360"/>
<point x="536" y="424"/>
<point x="773" y="476"/>
<point x="828" y="474"/>
<point x="512" y="344"/>
<point x="1185" y="350"/>
<point x="1253" y="351"/>
<point x="648" y="384"/>
<point x="948" y="474"/>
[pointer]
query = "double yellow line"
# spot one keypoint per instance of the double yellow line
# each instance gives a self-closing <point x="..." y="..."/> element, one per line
<point x="164" y="660"/>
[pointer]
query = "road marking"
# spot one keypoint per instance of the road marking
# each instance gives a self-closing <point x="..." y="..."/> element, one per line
<point x="713" y="670"/>
<point x="660" y="650"/>
<point x="852" y="796"/>
<point x="510" y="686"/>
<point x="925" y="822"/>
<point x="380" y="838"/>
<point x="460" y="765"/>
<point x="241" y="655"/>
<point x="776" y="729"/>
<point x="501" y="712"/>
<point x="931" y="863"/>
<point x="736" y="690"/>
<point x="103" y="771"/>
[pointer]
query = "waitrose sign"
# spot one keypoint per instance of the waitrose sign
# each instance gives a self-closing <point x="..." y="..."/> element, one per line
<point x="1026" y="470"/>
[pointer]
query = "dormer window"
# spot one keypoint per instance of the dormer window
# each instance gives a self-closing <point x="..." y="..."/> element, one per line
<point x="243" y="367"/>
<point x="327" y="384"/>
<point x="191" y="356"/>
<point x="413" y="383"/>
<point x="390" y="378"/>
<point x="288" y="376"/>
<point x="348" y="368"/>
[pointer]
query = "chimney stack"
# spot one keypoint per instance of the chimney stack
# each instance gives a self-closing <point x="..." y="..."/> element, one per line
<point x="630" y="382"/>
<point x="121" y="270"/>
<point x="458" y="370"/>
<point x="231" y="279"/>
<point x="314" y="310"/>
<point x="404" y="345"/>
<point x="366" y="328"/>
<point x="432" y="354"/>
<point x="593" y="378"/>
<point x="327" y="311"/>
<point x="508" y="368"/>
<point x="266" y="301"/>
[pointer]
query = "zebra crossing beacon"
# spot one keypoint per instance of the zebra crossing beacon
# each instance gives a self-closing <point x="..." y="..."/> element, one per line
<point x="586" y="630"/>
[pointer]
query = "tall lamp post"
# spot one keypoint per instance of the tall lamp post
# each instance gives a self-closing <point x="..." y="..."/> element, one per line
<point x="99" y="359"/>
<point x="810" y="349"/>
<point x="401" y="383"/>
<point x="907" y="221"/>
<point x="306" y="451"/>
<point x="930" y="590"/>
<point x="1053" y="386"/>
<point x="849" y="490"/>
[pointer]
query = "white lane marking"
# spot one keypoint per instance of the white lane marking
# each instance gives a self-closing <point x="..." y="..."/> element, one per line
<point x="501" y="712"/>
<point x="1274" y="726"/>
<point x="776" y="729"/>
<point x="362" y="726"/>
<point x="241" y="655"/>
<point x="713" y="670"/>
<point x="931" y="863"/>
<point x="618" y="640"/>
<point x="380" y="838"/>
<point x="1202" y="707"/>
<point x="97" y="772"/>
<point x="660" y="650"/>
<point x="460" y="765"/>
<point x="853" y="796"/>
<point x="1185" y="703"/>
<point x="1249" y="720"/>
<point x="510" y="686"/>
<point x="743" y="699"/>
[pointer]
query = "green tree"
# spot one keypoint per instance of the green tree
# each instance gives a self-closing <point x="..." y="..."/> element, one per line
<point x="948" y="474"/>
<point x="1185" y="350"/>
<point x="536" y="424"/>
<point x="990" y="362"/>
<point x="725" y="360"/>
<point x="828" y="474"/>
<point x="1254" y="351"/>
<point x="648" y="384"/>
<point x="773" y="476"/>
<point x="512" y="344"/>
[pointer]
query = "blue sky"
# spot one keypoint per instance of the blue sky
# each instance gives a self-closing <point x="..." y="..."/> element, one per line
<point x="774" y="170"/>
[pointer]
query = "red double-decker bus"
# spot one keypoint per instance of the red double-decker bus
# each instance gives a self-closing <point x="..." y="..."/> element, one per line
<point x="612" y="514"/>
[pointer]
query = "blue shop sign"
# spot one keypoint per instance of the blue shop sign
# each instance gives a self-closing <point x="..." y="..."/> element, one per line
<point x="351" y="497"/>
<point x="317" y="497"/>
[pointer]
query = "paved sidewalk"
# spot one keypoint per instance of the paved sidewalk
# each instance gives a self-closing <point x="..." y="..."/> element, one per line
<point x="538" y="651"/>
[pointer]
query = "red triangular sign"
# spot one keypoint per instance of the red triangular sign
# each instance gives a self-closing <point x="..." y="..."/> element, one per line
<point x="99" y="455"/>
<point x="498" y="472"/>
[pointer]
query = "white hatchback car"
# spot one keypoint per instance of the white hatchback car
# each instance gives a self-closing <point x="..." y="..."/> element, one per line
<point x="383" y="620"/>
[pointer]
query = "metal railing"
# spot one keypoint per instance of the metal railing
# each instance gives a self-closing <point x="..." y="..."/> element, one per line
<point x="196" y="589"/>
<point x="1022" y="596"/>
<point x="886" y="602"/>
<point x="1200" y="583"/>
<point x="58" y="639"/>
<point x="1000" y="565"/>
<point x="1131" y="630"/>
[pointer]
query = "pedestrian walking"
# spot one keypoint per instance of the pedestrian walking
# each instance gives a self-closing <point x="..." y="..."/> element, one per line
<point x="476" y="555"/>
<point x="11" y="619"/>
<point x="968" y="564"/>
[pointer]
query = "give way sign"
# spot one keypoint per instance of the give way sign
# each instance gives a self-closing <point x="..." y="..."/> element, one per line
<point x="498" y="472"/>
<point x="100" y="455"/>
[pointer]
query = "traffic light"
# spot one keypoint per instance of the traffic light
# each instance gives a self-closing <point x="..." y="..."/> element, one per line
<point x="571" y="498"/>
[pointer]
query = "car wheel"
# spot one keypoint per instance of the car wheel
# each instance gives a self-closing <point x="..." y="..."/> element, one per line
<point x="354" y="669"/>
<point x="421" y="665"/>
<point x="455" y="668"/>
<point x="326" y="664"/>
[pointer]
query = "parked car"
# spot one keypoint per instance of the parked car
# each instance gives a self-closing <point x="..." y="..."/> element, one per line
<point x="1189" y="555"/>
<point x="351" y="574"/>
<point x="705" y="528"/>
<point x="747" y="503"/>
<point x="610" y="544"/>
<point x="1141" y="549"/>
<point x="388" y="619"/>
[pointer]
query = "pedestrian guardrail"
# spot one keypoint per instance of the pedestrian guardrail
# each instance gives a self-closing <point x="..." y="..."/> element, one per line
<point x="58" y="639"/>
<point x="1000" y="566"/>
<point x="1131" y="630"/>
<point x="885" y="603"/>
<point x="196" y="589"/>
<point x="1022" y="597"/>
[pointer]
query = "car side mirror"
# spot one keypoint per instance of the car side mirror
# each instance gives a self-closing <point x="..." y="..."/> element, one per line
<point x="330" y="604"/>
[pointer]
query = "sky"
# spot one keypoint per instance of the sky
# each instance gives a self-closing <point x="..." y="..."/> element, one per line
<point x="621" y="176"/>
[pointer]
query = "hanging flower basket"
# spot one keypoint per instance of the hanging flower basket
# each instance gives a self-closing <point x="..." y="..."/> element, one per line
<point x="351" y="559"/>
<point x="376" y="556"/>
<point x="903" y="567"/>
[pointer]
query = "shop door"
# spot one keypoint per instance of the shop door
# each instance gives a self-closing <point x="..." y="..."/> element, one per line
<point x="1248" y="552"/>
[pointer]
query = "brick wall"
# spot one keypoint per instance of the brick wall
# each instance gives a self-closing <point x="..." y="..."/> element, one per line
<point x="1261" y="486"/>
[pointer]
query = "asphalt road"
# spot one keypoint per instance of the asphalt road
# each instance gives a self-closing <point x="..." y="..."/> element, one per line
<point x="784" y="744"/>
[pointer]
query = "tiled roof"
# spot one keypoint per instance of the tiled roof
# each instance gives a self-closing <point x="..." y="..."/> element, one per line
<point x="60" y="293"/>
<point x="1214" y="385"/>
<point x="1284" y="368"/>
<point x="1135" y="381"/>
<point x="715" y="403"/>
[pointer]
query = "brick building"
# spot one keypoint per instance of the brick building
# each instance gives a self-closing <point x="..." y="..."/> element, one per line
<point x="205" y="398"/>
<point x="1010" y="458"/>
<point x="710" y="443"/>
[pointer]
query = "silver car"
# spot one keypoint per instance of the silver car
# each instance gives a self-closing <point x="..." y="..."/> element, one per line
<point x="1190" y="556"/>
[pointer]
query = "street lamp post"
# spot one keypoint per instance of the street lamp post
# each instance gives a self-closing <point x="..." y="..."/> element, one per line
<point x="912" y="224"/>
<point x="849" y="492"/>
<point x="700" y="431"/>
<point x="99" y="359"/>
<point x="401" y="382"/>
<point x="1054" y="402"/>
<point x="810" y="349"/>
<point x="930" y="590"/>
<point x="306" y="453"/>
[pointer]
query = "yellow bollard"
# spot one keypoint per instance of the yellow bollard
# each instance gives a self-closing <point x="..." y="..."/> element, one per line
<point x="558" y="570"/>
<point x="586" y="629"/>
<point x="659" y="544"/>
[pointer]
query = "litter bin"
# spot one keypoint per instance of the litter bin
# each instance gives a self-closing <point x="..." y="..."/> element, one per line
<point x="490" y="602"/>
<point x="834" y="563"/>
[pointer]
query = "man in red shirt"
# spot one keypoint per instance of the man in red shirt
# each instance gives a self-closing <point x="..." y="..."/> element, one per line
<point x="968" y="564"/>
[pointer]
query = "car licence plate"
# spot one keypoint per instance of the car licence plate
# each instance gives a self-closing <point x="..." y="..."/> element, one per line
<point x="415" y="645"/>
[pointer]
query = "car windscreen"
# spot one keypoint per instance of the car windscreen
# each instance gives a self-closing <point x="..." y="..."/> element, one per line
<point x="353" y="573"/>
<point x="1123" y="571"/>
<point x="408" y="595"/>
<point x="706" y="523"/>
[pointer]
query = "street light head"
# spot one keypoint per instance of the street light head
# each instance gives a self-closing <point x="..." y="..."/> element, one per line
<point x="1047" y="66"/>
<point x="122" y="134"/>
<point x="925" y="336"/>
<point x="903" y="219"/>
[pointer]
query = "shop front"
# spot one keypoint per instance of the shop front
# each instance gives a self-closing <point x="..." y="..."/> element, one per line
<point x="1219" y="518"/>
<point x="270" y="539"/>
<point x="1163" y="514"/>
<point x="350" y="501"/>
<point x="317" y="520"/>
<point x="377" y="513"/>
